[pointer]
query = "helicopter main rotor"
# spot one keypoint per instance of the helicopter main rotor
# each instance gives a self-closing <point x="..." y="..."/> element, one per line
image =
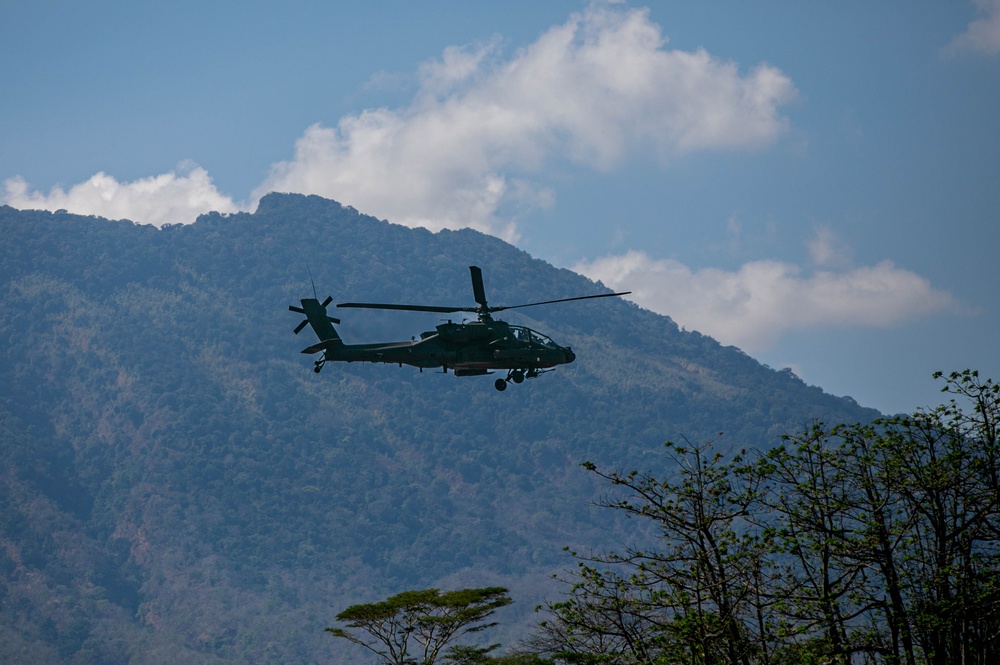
<point x="483" y="311"/>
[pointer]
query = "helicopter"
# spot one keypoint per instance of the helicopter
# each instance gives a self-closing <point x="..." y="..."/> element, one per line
<point x="474" y="348"/>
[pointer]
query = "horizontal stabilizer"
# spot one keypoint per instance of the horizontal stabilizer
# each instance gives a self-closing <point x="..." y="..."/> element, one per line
<point x="322" y="346"/>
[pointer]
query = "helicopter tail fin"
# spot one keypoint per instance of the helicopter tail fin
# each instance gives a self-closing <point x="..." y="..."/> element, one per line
<point x="322" y="324"/>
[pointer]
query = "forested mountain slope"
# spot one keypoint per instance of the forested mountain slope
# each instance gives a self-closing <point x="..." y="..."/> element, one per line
<point x="177" y="484"/>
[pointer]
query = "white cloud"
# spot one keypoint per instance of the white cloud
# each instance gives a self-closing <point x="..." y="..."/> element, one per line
<point x="983" y="34"/>
<point x="595" y="90"/>
<point x="171" y="198"/>
<point x="469" y="149"/>
<point x="754" y="306"/>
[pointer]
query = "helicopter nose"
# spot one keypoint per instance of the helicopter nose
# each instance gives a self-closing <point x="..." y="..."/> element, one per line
<point x="570" y="356"/>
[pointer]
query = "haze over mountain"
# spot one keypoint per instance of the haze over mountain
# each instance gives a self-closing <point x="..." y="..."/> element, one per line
<point x="177" y="484"/>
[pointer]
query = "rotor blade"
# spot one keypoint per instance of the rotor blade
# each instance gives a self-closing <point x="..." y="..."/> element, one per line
<point x="302" y="325"/>
<point x="549" y="302"/>
<point x="329" y="299"/>
<point x="407" y="308"/>
<point x="478" y="292"/>
<point x="297" y="310"/>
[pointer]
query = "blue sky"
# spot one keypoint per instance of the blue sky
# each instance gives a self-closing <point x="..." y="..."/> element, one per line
<point x="816" y="183"/>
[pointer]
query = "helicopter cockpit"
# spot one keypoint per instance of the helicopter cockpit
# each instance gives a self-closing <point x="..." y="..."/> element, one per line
<point x="527" y="335"/>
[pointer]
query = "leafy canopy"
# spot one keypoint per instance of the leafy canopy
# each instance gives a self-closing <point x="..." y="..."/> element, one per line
<point x="422" y="621"/>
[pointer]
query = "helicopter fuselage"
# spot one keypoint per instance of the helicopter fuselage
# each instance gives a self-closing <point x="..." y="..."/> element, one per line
<point x="468" y="349"/>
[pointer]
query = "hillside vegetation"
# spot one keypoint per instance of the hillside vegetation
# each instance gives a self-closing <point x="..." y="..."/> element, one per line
<point x="177" y="484"/>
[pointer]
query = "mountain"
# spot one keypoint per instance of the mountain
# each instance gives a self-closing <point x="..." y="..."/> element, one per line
<point x="178" y="485"/>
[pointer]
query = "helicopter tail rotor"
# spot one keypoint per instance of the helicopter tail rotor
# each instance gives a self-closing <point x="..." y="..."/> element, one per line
<point x="315" y="313"/>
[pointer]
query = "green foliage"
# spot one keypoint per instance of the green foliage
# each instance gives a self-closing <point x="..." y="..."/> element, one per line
<point x="875" y="543"/>
<point x="693" y="599"/>
<point x="430" y="619"/>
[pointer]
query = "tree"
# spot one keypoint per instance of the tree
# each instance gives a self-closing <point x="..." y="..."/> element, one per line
<point x="813" y="583"/>
<point x="944" y="466"/>
<point x="837" y="525"/>
<point x="865" y="543"/>
<point x="902" y="517"/>
<point x="696" y="599"/>
<point x="423" y="622"/>
<point x="887" y="533"/>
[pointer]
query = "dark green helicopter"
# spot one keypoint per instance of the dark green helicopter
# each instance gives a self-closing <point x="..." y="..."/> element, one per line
<point x="468" y="349"/>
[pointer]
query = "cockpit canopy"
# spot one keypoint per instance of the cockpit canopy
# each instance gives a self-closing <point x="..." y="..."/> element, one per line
<point x="495" y="332"/>
<point x="524" y="334"/>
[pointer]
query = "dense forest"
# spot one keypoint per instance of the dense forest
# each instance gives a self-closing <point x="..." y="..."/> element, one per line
<point x="176" y="484"/>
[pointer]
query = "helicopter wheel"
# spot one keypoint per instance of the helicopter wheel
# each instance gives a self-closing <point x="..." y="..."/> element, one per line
<point x="532" y="374"/>
<point x="517" y="376"/>
<point x="500" y="384"/>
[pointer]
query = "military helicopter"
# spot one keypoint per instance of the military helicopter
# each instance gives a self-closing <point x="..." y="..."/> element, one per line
<point x="468" y="349"/>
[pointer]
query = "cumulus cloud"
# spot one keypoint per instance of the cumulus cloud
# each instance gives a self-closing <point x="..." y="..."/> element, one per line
<point x="983" y="34"/>
<point x="595" y="90"/>
<point x="471" y="147"/>
<point x="754" y="306"/>
<point x="177" y="197"/>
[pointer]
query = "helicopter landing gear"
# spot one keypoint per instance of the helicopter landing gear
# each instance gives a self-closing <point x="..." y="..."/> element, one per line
<point x="318" y="365"/>
<point x="517" y="376"/>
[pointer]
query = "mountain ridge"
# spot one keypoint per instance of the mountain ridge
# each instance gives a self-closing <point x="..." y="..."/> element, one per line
<point x="179" y="481"/>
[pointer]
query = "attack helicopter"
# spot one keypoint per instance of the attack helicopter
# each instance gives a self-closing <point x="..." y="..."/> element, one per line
<point x="470" y="348"/>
